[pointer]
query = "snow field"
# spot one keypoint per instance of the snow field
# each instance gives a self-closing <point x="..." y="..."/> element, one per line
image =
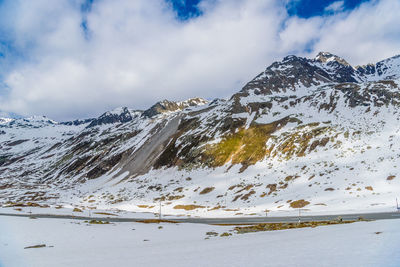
<point x="75" y="243"/>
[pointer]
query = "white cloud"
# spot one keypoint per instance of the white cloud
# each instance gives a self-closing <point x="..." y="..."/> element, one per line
<point x="365" y="35"/>
<point x="335" y="7"/>
<point x="139" y="53"/>
<point x="298" y="33"/>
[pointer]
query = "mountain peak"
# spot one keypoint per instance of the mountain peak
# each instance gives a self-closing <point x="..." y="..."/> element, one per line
<point x="28" y="122"/>
<point x="5" y="120"/>
<point x="326" y="57"/>
<point x="290" y="58"/>
<point x="171" y="106"/>
<point x="117" y="115"/>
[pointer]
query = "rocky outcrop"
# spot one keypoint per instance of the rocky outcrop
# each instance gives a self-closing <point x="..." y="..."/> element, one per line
<point x="77" y="122"/>
<point x="119" y="115"/>
<point x="171" y="106"/>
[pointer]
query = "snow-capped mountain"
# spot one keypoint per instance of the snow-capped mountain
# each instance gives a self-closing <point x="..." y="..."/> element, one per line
<point x="315" y="133"/>
<point x="5" y="120"/>
<point x="118" y="115"/>
<point x="166" y="106"/>
<point x="30" y="122"/>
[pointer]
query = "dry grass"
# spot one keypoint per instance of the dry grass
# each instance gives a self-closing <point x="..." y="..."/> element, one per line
<point x="170" y="198"/>
<point x="27" y="204"/>
<point x="234" y="186"/>
<point x="236" y="197"/>
<point x="247" y="146"/>
<point x="390" y="177"/>
<point x="291" y="177"/>
<point x="272" y="188"/>
<point x="188" y="207"/>
<point x="206" y="190"/>
<point x="212" y="233"/>
<point x="298" y="204"/>
<point x="225" y="234"/>
<point x="247" y="188"/>
<point x="246" y="196"/>
<point x="283" y="226"/>
<point x="216" y="208"/>
<point x="145" y="206"/>
<point x="179" y="189"/>
<point x="97" y="222"/>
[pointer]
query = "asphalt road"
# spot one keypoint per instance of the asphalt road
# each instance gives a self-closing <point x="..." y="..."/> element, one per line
<point x="233" y="220"/>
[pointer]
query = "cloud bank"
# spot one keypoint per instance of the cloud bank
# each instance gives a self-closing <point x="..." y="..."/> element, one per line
<point x="134" y="53"/>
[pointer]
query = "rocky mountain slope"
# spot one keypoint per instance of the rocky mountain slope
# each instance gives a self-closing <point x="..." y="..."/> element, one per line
<point x="317" y="134"/>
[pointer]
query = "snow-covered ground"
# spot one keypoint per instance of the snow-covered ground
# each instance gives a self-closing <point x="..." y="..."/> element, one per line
<point x="74" y="243"/>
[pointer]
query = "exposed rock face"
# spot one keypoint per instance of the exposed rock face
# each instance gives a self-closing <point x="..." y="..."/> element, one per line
<point x="387" y="69"/>
<point x="124" y="114"/>
<point x="119" y="115"/>
<point x="326" y="57"/>
<point x="294" y="72"/>
<point x="170" y="106"/>
<point x="77" y="122"/>
<point x="314" y="122"/>
<point x="31" y="122"/>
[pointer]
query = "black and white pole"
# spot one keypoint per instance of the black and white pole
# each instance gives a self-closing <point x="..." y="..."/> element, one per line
<point x="299" y="215"/>
<point x="159" y="214"/>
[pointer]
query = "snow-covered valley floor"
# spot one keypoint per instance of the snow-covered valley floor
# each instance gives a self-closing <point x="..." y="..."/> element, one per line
<point x="75" y="243"/>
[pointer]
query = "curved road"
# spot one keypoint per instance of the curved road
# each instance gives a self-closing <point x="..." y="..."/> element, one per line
<point x="232" y="220"/>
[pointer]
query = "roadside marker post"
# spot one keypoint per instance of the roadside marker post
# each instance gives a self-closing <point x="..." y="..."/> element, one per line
<point x="300" y="209"/>
<point x="299" y="215"/>
<point x="159" y="215"/>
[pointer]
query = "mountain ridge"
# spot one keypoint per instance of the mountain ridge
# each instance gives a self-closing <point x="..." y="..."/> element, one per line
<point x="304" y="129"/>
<point x="117" y="115"/>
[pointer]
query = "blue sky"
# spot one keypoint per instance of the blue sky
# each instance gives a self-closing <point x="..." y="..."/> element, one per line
<point x="72" y="59"/>
<point x="187" y="9"/>
<point x="310" y="8"/>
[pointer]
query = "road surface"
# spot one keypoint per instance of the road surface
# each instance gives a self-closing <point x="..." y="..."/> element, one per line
<point x="232" y="220"/>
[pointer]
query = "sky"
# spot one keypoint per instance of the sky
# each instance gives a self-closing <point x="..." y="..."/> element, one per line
<point x="70" y="59"/>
